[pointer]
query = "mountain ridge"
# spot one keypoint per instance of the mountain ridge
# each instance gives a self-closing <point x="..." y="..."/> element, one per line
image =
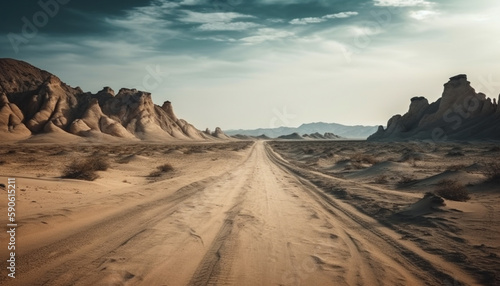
<point x="345" y="131"/>
<point x="34" y="101"/>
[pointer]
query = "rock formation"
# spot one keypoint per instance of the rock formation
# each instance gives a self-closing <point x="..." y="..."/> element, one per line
<point x="460" y="114"/>
<point x="318" y="136"/>
<point x="33" y="101"/>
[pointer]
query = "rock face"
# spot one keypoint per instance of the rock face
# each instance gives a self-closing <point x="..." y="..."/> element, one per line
<point x="33" y="101"/>
<point x="460" y="114"/>
<point x="318" y="136"/>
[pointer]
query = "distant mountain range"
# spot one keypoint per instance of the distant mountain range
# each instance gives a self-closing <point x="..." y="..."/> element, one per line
<point x="345" y="131"/>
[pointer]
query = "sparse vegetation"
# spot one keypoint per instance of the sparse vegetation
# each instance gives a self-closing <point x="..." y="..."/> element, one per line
<point x="455" y="152"/>
<point x="452" y="190"/>
<point x="363" y="158"/>
<point x="85" y="169"/>
<point x="160" y="170"/>
<point x="406" y="180"/>
<point x="495" y="149"/>
<point x="492" y="172"/>
<point x="382" y="179"/>
<point x="457" y="167"/>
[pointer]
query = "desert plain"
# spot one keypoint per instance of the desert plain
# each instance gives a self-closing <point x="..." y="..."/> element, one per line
<point x="254" y="213"/>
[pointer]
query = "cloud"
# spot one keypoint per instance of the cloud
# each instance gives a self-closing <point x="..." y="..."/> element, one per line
<point x="423" y="14"/>
<point x="402" y="3"/>
<point x="305" y="21"/>
<point x="267" y="34"/>
<point x="192" y="2"/>
<point x="314" y="20"/>
<point x="197" y="17"/>
<point x="341" y="15"/>
<point x="231" y="26"/>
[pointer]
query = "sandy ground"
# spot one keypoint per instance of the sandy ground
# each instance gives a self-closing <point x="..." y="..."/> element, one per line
<point x="244" y="213"/>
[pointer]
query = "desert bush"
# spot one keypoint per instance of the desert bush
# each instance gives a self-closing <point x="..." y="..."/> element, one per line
<point x="98" y="163"/>
<point x="492" y="172"/>
<point x="405" y="180"/>
<point x="435" y="198"/>
<point x="363" y="158"/>
<point x="457" y="167"/>
<point x="455" y="152"/>
<point x="411" y="156"/>
<point x="79" y="170"/>
<point x="495" y="149"/>
<point x="165" y="168"/>
<point x="160" y="170"/>
<point x="382" y="179"/>
<point x="452" y="190"/>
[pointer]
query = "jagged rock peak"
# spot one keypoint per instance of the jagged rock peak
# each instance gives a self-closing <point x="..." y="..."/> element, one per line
<point x="457" y="81"/>
<point x="107" y="90"/>
<point x="418" y="98"/>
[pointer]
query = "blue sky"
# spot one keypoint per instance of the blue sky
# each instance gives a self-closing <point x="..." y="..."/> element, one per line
<point x="262" y="63"/>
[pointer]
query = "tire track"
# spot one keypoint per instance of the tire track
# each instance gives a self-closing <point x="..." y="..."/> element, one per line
<point x="429" y="272"/>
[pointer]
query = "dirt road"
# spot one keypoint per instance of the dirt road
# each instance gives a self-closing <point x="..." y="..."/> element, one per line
<point x="256" y="224"/>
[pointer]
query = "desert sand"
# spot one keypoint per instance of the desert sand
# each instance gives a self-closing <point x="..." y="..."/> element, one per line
<point x="253" y="213"/>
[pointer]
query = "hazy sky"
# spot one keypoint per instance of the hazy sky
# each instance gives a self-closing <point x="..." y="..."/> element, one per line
<point x="262" y="63"/>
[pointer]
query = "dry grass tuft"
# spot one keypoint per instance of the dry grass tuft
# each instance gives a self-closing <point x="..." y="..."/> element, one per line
<point x="363" y="158"/>
<point x="382" y="179"/>
<point x="160" y="170"/>
<point x="85" y="169"/>
<point x="452" y="190"/>
<point x="405" y="180"/>
<point x="457" y="167"/>
<point x="492" y="172"/>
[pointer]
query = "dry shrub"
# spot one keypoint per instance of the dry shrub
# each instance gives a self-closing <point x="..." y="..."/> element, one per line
<point x="98" y="163"/>
<point x="455" y="152"/>
<point x="382" y="179"/>
<point x="160" y="170"/>
<point x="492" y="172"/>
<point x="452" y="190"/>
<point x="495" y="149"/>
<point x="363" y="158"/>
<point x="165" y="168"/>
<point x="85" y="169"/>
<point x="457" y="167"/>
<point x="405" y="180"/>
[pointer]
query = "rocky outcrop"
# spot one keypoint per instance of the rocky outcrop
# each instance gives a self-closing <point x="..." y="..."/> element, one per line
<point x="218" y="133"/>
<point x="460" y="114"/>
<point x="318" y="136"/>
<point x="293" y="136"/>
<point x="33" y="101"/>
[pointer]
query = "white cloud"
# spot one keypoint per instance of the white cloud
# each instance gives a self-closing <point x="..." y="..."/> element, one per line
<point x="423" y="14"/>
<point x="402" y="3"/>
<point x="341" y="15"/>
<point x="192" y="2"/>
<point x="315" y="20"/>
<point x="231" y="26"/>
<point x="305" y="21"/>
<point x="196" y="17"/>
<point x="266" y="34"/>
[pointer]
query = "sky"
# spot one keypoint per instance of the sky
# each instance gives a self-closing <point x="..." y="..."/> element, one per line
<point x="262" y="63"/>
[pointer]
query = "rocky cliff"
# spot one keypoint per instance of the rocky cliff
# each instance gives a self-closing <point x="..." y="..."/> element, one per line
<point x="33" y="101"/>
<point x="460" y="114"/>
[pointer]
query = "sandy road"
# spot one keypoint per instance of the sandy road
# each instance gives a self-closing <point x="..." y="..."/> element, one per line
<point x="258" y="224"/>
